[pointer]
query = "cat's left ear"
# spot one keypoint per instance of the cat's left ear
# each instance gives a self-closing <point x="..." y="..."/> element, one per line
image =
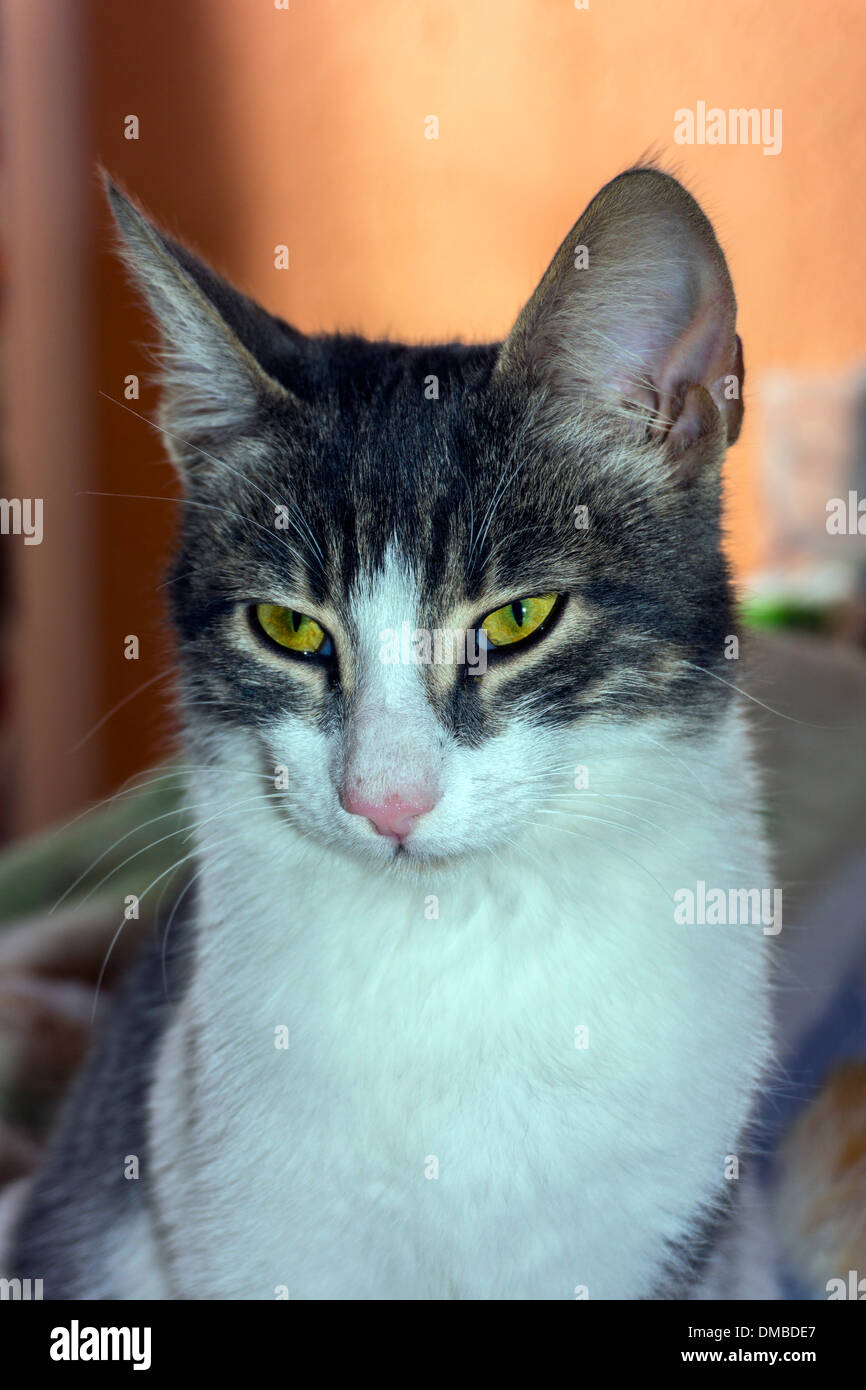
<point x="636" y="314"/>
<point x="216" y="341"/>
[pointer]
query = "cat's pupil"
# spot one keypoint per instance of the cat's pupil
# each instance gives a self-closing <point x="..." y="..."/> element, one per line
<point x="294" y="619"/>
<point x="517" y="612"/>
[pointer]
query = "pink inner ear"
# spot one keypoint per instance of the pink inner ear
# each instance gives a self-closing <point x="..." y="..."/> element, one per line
<point x="708" y="354"/>
<point x="702" y="354"/>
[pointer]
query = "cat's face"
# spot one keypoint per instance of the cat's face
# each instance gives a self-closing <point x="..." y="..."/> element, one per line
<point x="416" y="583"/>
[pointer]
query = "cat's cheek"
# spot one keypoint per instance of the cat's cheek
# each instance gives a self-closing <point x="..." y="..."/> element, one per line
<point x="300" y="759"/>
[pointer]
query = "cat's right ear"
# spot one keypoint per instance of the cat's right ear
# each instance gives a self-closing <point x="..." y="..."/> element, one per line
<point x="214" y="387"/>
<point x="636" y="315"/>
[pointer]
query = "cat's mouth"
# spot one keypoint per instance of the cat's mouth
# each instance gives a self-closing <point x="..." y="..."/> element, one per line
<point x="402" y="854"/>
<point x="361" y="840"/>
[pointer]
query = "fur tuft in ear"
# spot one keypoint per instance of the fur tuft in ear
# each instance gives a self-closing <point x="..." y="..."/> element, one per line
<point x="214" y="387"/>
<point x="637" y="315"/>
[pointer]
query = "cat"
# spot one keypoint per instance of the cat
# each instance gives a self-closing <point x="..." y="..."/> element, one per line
<point x="429" y="1026"/>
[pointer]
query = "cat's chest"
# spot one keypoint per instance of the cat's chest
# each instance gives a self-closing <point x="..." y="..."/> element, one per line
<point x="477" y="1107"/>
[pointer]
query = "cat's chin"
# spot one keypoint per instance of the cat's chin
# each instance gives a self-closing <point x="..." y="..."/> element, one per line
<point x="408" y="860"/>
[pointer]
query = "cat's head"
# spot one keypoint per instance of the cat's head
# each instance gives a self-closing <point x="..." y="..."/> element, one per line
<point x="355" y="508"/>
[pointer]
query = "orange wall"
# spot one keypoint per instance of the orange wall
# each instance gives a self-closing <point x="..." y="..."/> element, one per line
<point x="46" y="653"/>
<point x="261" y="126"/>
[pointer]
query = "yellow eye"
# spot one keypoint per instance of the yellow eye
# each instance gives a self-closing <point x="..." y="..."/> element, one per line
<point x="292" y="629"/>
<point x="518" y="620"/>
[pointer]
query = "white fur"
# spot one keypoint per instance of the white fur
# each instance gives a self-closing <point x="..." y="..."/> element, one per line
<point x="415" y="1037"/>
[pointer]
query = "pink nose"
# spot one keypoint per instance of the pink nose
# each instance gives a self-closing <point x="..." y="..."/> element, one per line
<point x="394" y="816"/>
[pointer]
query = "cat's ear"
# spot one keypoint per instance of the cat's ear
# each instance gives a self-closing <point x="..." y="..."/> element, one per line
<point x="215" y="385"/>
<point x="637" y="314"/>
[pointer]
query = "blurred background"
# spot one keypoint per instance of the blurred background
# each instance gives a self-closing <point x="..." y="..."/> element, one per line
<point x="243" y="125"/>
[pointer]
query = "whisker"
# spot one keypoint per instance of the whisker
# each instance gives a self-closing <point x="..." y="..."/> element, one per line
<point x="620" y="796"/>
<point x="136" y="829"/>
<point x="598" y="820"/>
<point x="221" y="463"/>
<point x="619" y="810"/>
<point x="503" y="483"/>
<point x="196" y="825"/>
<point x="188" y="502"/>
<point x="827" y="728"/>
<point x="177" y="902"/>
<point x="675" y="757"/>
<point x="181" y="809"/>
<point x="115" y="938"/>
<point x="145" y="685"/>
<point x="617" y="849"/>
